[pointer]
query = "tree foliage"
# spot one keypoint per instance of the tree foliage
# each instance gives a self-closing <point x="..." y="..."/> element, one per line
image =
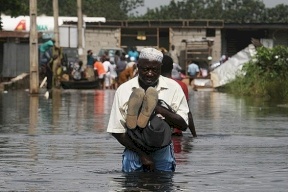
<point x="239" y="11"/>
<point x="278" y="13"/>
<point x="236" y="11"/>
<point x="110" y="9"/>
<point x="14" y="8"/>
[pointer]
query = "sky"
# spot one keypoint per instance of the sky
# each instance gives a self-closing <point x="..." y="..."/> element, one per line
<point x="157" y="3"/>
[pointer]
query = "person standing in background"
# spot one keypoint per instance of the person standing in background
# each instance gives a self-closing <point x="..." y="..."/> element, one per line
<point x="193" y="71"/>
<point x="116" y="57"/>
<point x="100" y="72"/>
<point x="107" y="65"/>
<point x="120" y="66"/>
<point x="53" y="65"/>
<point x="90" y="59"/>
<point x="127" y="74"/>
<point x="113" y="76"/>
<point x="176" y="71"/>
<point x="166" y="71"/>
<point x="89" y="71"/>
<point x="133" y="54"/>
<point x="174" y="54"/>
<point x="44" y="51"/>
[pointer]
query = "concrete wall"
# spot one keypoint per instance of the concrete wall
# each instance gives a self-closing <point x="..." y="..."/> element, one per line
<point x="95" y="39"/>
<point x="177" y="35"/>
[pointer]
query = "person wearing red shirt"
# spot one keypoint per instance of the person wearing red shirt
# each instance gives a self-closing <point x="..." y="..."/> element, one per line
<point x="166" y="69"/>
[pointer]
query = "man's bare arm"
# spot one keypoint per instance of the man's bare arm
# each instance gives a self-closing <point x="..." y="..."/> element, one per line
<point x="173" y="119"/>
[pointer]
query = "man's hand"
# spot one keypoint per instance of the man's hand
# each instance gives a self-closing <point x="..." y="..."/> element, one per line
<point x="148" y="164"/>
<point x="125" y="140"/>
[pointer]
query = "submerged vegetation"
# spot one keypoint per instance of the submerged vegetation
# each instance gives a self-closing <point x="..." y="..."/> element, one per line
<point x="266" y="75"/>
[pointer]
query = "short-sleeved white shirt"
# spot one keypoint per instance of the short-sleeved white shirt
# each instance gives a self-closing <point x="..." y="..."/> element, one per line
<point x="168" y="90"/>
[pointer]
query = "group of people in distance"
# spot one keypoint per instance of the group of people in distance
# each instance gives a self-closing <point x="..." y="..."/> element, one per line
<point x="154" y="73"/>
<point x="112" y="74"/>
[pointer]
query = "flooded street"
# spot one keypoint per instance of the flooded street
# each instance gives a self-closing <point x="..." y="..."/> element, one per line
<point x="61" y="144"/>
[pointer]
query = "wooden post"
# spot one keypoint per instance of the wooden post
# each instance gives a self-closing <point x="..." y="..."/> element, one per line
<point x="56" y="44"/>
<point x="79" y="29"/>
<point x="56" y="24"/>
<point x="33" y="41"/>
<point x="33" y="114"/>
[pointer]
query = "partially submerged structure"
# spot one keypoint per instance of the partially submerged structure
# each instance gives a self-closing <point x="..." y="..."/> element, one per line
<point x="228" y="71"/>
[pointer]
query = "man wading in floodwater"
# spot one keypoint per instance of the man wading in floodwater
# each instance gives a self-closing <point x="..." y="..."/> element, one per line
<point x="144" y="90"/>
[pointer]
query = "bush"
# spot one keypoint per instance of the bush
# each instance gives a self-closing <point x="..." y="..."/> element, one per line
<point x="266" y="75"/>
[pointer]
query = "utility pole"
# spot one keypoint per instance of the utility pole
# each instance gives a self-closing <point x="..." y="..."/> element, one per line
<point x="33" y="42"/>
<point x="56" y="24"/>
<point x="79" y="29"/>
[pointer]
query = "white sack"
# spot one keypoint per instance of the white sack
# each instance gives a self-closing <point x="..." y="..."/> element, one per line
<point x="228" y="70"/>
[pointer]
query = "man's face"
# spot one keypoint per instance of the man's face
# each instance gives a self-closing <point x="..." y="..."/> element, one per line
<point x="149" y="71"/>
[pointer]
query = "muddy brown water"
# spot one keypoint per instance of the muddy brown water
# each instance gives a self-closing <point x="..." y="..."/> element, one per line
<point x="61" y="144"/>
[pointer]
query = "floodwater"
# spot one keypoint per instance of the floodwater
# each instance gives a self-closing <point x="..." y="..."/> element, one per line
<point x="61" y="144"/>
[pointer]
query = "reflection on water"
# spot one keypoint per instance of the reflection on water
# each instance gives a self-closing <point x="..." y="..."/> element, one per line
<point x="60" y="144"/>
<point x="223" y="113"/>
<point x="144" y="182"/>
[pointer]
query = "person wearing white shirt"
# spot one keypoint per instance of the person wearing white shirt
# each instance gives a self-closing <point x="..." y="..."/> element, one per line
<point x="107" y="66"/>
<point x="135" y="158"/>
